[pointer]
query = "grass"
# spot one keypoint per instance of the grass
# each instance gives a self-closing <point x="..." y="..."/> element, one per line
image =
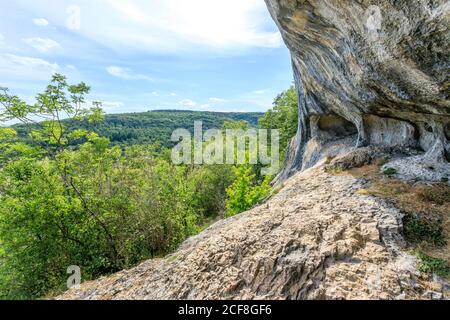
<point x="439" y="196"/>
<point x="172" y="257"/>
<point x="333" y="170"/>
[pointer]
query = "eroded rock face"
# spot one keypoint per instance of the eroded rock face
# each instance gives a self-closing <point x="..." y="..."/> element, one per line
<point x="380" y="66"/>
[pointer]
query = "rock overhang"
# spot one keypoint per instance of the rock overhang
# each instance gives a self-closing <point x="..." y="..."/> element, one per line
<point x="380" y="65"/>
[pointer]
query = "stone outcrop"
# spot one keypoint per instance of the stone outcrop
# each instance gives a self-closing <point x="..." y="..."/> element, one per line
<point x="370" y="72"/>
<point x="318" y="238"/>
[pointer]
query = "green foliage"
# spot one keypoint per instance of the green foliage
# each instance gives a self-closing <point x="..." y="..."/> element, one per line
<point x="207" y="187"/>
<point x="389" y="171"/>
<point x="432" y="265"/>
<point x="418" y="230"/>
<point x="59" y="100"/>
<point x="11" y="146"/>
<point x="153" y="127"/>
<point x="68" y="196"/>
<point x="246" y="190"/>
<point x="99" y="207"/>
<point x="283" y="116"/>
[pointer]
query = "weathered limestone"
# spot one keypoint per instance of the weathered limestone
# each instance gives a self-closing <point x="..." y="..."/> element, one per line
<point x="380" y="65"/>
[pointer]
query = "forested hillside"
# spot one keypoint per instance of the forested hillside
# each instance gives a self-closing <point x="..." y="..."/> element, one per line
<point x="153" y="127"/>
<point x="101" y="192"/>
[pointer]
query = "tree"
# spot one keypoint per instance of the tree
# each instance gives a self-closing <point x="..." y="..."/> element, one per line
<point x="283" y="116"/>
<point x="99" y="207"/>
<point x="246" y="191"/>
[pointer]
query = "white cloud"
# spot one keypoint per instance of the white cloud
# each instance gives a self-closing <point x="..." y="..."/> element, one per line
<point x="2" y="37"/>
<point x="261" y="98"/>
<point x="107" y="106"/>
<point x="170" y="26"/>
<point x="127" y="74"/>
<point x="41" y="22"/>
<point x="154" y="93"/>
<point x="22" y="67"/>
<point x="187" y="103"/>
<point x="212" y="23"/>
<point x="40" y="44"/>
<point x="71" y="67"/>
<point x="172" y="94"/>
<point x="205" y="106"/>
<point x="217" y="100"/>
<point x="28" y="62"/>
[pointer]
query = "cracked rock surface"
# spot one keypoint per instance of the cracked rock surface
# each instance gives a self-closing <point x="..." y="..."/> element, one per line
<point x="317" y="238"/>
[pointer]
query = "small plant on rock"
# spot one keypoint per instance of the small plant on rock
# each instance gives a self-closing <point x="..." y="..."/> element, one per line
<point x="418" y="231"/>
<point x="389" y="171"/>
<point x="432" y="265"/>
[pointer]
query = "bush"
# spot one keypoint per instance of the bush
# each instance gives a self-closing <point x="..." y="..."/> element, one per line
<point x="283" y="117"/>
<point x="246" y="191"/>
<point x="99" y="208"/>
<point x="417" y="231"/>
<point x="389" y="171"/>
<point x="439" y="195"/>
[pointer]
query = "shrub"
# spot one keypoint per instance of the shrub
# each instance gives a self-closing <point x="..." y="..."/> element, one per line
<point x="417" y="230"/>
<point x="99" y="207"/>
<point x="246" y="191"/>
<point x="432" y="265"/>
<point x="389" y="171"/>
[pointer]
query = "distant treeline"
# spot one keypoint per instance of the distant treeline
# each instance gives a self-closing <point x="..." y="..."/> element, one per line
<point x="153" y="127"/>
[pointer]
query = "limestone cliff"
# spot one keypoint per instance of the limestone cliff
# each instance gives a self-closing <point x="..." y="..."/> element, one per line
<point x="373" y="71"/>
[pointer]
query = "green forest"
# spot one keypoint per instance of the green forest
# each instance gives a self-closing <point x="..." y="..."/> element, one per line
<point x="78" y="187"/>
<point x="153" y="127"/>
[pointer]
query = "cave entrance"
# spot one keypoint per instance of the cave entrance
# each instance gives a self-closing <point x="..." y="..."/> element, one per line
<point x="336" y="127"/>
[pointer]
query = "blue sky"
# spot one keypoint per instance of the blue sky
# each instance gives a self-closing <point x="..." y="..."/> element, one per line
<point x="139" y="55"/>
